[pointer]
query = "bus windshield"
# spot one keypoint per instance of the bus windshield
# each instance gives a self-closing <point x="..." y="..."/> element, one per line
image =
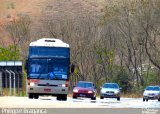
<point x="49" y="68"/>
<point x="49" y="52"/>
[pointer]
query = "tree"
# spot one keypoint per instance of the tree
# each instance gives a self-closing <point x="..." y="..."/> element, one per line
<point x="121" y="76"/>
<point x="19" y="30"/>
<point x="9" y="53"/>
<point x="136" y="26"/>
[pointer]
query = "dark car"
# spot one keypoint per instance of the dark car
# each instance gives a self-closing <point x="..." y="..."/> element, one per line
<point x="110" y="90"/>
<point x="84" y="89"/>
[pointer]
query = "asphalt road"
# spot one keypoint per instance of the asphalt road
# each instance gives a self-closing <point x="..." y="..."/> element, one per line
<point x="79" y="106"/>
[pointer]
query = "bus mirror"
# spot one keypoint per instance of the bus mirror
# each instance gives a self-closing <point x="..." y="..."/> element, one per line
<point x="72" y="68"/>
<point x="26" y="65"/>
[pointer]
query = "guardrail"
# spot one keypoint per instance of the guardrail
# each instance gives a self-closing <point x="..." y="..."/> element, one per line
<point x="11" y="77"/>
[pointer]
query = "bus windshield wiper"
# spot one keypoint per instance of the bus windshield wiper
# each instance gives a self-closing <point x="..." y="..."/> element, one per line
<point x="56" y="77"/>
<point x="52" y="78"/>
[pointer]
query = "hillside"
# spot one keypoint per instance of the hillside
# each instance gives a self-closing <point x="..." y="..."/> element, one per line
<point x="9" y="9"/>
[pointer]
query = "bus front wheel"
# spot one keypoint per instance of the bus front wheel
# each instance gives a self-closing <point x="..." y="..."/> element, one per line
<point x="36" y="96"/>
<point x="59" y="97"/>
<point x="62" y="97"/>
<point x="30" y="95"/>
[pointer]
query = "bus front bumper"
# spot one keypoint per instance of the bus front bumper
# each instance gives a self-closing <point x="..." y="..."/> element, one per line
<point x="47" y="90"/>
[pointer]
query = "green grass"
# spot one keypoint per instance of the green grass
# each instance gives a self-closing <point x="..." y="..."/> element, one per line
<point x="6" y="92"/>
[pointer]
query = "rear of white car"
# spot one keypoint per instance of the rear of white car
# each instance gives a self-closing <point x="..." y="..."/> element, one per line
<point x="151" y="93"/>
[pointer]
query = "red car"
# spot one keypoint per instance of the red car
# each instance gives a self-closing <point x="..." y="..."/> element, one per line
<point x="84" y="89"/>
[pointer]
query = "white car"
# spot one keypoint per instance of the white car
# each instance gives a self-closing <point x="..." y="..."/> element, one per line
<point x="151" y="92"/>
<point x="110" y="90"/>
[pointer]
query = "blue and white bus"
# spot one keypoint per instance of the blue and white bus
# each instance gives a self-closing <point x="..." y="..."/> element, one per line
<point x="48" y="68"/>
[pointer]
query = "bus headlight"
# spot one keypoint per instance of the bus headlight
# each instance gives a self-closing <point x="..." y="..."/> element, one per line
<point x="32" y="84"/>
<point x="63" y="85"/>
